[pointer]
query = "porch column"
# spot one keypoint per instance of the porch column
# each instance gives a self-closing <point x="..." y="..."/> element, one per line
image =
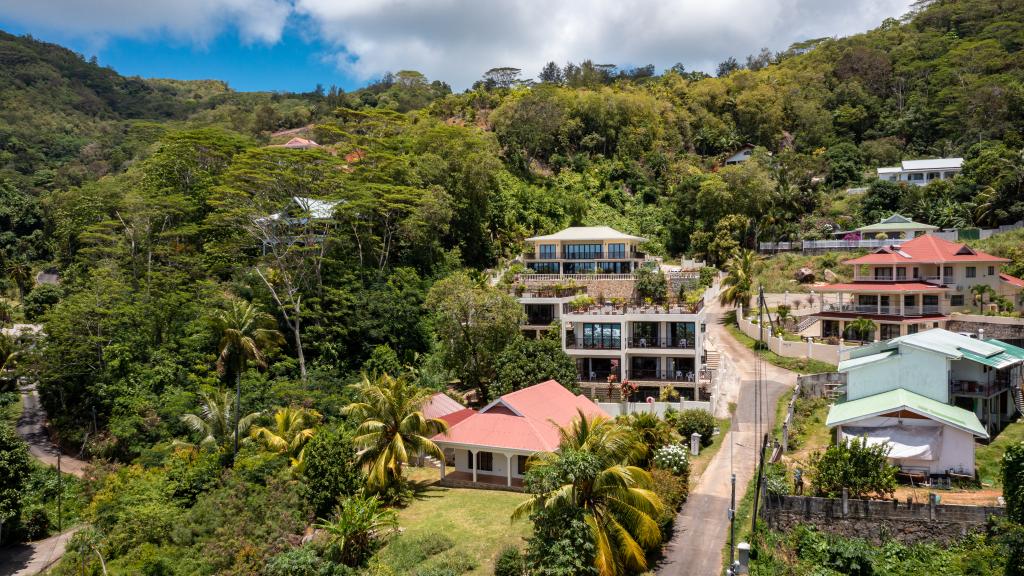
<point x="442" y="464"/>
<point x="902" y="298"/>
<point x="472" y="457"/>
<point x="508" y="468"/>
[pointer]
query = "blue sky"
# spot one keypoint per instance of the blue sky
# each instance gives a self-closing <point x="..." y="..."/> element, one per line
<point x="295" y="44"/>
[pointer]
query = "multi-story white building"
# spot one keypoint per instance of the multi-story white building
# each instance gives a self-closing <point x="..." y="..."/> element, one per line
<point x="913" y="286"/>
<point x="583" y="278"/>
<point x="921" y="172"/>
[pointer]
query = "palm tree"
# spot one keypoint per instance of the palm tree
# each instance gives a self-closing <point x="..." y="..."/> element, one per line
<point x="980" y="291"/>
<point x="614" y="498"/>
<point x="293" y="428"/>
<point x="245" y="333"/>
<point x="863" y="327"/>
<point x="214" y="421"/>
<point x="653" y="433"/>
<point x="359" y="524"/>
<point x="737" y="285"/>
<point x="392" y="426"/>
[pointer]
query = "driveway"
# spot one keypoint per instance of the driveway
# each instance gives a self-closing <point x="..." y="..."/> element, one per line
<point x="702" y="527"/>
<point x="35" y="557"/>
<point x="31" y="427"/>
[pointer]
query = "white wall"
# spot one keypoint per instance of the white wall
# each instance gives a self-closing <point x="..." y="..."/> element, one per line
<point x="498" y="469"/>
<point x="957" y="446"/>
<point x="925" y="373"/>
<point x="823" y="352"/>
<point x="621" y="408"/>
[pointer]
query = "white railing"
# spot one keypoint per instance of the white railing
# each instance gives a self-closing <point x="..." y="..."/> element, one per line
<point x="911" y="311"/>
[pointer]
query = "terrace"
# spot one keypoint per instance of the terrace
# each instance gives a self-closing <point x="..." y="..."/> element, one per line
<point x="619" y="309"/>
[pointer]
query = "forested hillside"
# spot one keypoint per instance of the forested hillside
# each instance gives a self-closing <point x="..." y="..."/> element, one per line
<point x="168" y="209"/>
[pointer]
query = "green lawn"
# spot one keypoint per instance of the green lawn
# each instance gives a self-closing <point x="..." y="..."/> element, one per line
<point x="700" y="462"/>
<point x="989" y="458"/>
<point x="798" y="365"/>
<point x="477" y="522"/>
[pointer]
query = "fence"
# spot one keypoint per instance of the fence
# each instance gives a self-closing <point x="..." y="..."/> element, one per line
<point x="809" y="349"/>
<point x="658" y="408"/>
<point x="959" y="235"/>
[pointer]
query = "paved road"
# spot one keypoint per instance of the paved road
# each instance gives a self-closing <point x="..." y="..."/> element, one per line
<point x="33" y="558"/>
<point x="702" y="527"/>
<point x="31" y="428"/>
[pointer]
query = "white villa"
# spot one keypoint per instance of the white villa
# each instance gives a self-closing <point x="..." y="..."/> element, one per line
<point x="921" y="172"/>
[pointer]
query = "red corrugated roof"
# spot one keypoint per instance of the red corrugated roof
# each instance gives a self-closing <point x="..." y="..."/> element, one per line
<point x="524" y="420"/>
<point x="440" y="405"/>
<point x="1012" y="280"/>
<point x="456" y="417"/>
<point x="926" y="249"/>
<point x="881" y="287"/>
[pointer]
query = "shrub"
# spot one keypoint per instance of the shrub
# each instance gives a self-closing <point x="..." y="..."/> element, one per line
<point x="406" y="552"/>
<point x="329" y="469"/>
<point x="855" y="465"/>
<point x="673" y="490"/>
<point x="448" y="564"/>
<point x="1013" y="482"/>
<point x="15" y="468"/>
<point x="41" y="299"/>
<point x="672" y="458"/>
<point x="707" y="276"/>
<point x="696" y="420"/>
<point x="510" y="562"/>
<point x="303" y="562"/>
<point x="37" y="524"/>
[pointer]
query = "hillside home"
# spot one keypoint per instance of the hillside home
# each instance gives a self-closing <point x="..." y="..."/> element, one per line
<point x="981" y="377"/>
<point x="491" y="446"/>
<point x="921" y="172"/>
<point x="912" y="286"/>
<point x="741" y="155"/>
<point x="896" y="227"/>
<point x="584" y="250"/>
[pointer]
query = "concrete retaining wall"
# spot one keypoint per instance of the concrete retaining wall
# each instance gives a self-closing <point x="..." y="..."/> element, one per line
<point x="823" y="352"/>
<point x="878" y="520"/>
<point x="621" y="408"/>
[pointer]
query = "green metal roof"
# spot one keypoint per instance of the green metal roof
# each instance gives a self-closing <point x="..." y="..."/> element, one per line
<point x="997" y="361"/>
<point x="864" y="360"/>
<point x="900" y="399"/>
<point x="896" y="222"/>
<point x="1010" y="349"/>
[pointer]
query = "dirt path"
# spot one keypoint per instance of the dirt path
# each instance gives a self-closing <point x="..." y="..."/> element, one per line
<point x="31" y="428"/>
<point x="702" y="527"/>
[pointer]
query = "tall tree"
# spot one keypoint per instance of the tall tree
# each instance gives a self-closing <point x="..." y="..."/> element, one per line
<point x="244" y="336"/>
<point x="293" y="427"/>
<point x="216" y="420"/>
<point x="474" y="323"/>
<point x="392" y="428"/>
<point x="737" y="285"/>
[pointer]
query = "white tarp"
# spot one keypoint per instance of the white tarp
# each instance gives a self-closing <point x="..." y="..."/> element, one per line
<point x="907" y="442"/>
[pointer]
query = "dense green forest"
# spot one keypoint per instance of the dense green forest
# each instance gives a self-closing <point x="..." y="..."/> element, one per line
<point x="156" y="202"/>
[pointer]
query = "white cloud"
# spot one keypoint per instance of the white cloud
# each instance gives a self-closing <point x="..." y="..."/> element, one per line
<point x="195" y="21"/>
<point x="457" y="40"/>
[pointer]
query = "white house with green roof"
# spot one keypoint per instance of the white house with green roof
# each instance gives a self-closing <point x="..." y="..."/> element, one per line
<point x="896" y="227"/>
<point x="982" y="377"/>
<point x="925" y="437"/>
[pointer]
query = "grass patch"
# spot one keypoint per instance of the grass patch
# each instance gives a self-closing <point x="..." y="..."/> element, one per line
<point x="10" y="408"/>
<point x="475" y="522"/>
<point x="700" y="462"/>
<point x="988" y="459"/>
<point x="798" y="365"/>
<point x="776" y="273"/>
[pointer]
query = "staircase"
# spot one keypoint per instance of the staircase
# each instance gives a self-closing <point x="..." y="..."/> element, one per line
<point x="805" y="323"/>
<point x="1018" y="397"/>
<point x="713" y="360"/>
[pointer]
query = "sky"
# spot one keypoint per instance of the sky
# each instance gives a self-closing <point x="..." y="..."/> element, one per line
<point x="293" y="45"/>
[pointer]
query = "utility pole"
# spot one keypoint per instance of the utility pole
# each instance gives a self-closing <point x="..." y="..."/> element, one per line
<point x="60" y="492"/>
<point x="732" y="523"/>
<point x="757" y="492"/>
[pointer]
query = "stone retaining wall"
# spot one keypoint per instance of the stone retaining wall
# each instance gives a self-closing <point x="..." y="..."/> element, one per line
<point x="622" y="288"/>
<point x="878" y="520"/>
<point x="1000" y="328"/>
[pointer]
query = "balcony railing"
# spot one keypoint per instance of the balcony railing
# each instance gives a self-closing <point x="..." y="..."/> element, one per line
<point x="598" y="376"/>
<point x="539" y="320"/>
<point x="679" y="376"/>
<point x="937" y="280"/>
<point x="611" y="309"/>
<point x="678" y="343"/>
<point x="603" y="344"/>
<point x="978" y="389"/>
<point x="890" y="310"/>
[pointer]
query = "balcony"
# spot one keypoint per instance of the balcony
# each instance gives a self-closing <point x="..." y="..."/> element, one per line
<point x="979" y="389"/>
<point x="598" y="376"/>
<point x="937" y="280"/>
<point x="621" y="309"/>
<point x="890" y="310"/>
<point x="654" y="375"/>
<point x="602" y="344"/>
<point x="662" y="343"/>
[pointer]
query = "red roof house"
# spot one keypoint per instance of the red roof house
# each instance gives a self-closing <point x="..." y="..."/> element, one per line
<point x="443" y="407"/>
<point x="492" y="445"/>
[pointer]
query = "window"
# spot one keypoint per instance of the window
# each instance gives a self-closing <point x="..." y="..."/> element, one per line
<point x="889" y="331"/>
<point x="602" y="335"/>
<point x="883" y="273"/>
<point x="613" y="267"/>
<point x="956" y="300"/>
<point x="901" y="273"/>
<point x="918" y="177"/>
<point x="581" y="251"/>
<point x="579" y="267"/>
<point x="912" y="329"/>
<point x="933" y="175"/>
<point x="972" y="272"/>
<point x="485" y="461"/>
<point x="991" y="270"/>
<point x="908" y="300"/>
<point x="521" y="466"/>
<point x="616" y="250"/>
<point x="547" y="252"/>
<point x="947" y="274"/>
<point x="917" y="274"/>
<point x="543" y="267"/>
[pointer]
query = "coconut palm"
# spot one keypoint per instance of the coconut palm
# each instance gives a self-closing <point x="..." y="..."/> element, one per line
<point x="614" y="499"/>
<point x="980" y="291"/>
<point x="737" y="285"/>
<point x="215" y="420"/>
<point x="391" y="428"/>
<point x="293" y="427"/>
<point x="245" y="332"/>
<point x="653" y="433"/>
<point x="863" y="327"/>
<point x="359" y="525"/>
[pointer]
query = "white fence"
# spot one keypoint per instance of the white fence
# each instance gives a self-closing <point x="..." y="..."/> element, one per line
<point x="809" y="349"/>
<point x="871" y="243"/>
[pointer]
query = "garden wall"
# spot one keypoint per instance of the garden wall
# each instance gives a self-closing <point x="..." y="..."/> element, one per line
<point x="877" y="520"/>
<point x="999" y="327"/>
<point x="823" y="352"/>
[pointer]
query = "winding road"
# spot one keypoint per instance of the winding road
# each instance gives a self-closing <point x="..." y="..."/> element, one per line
<point x="35" y="557"/>
<point x="702" y="526"/>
